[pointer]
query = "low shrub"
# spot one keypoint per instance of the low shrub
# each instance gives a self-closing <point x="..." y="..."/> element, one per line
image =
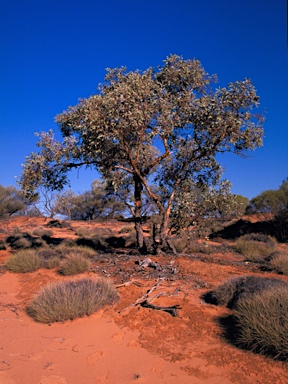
<point x="2" y="245"/>
<point x="262" y="322"/>
<point x="51" y="257"/>
<point x="127" y="229"/>
<point x="23" y="261"/>
<point x="92" y="232"/>
<point x="24" y="240"/>
<point x="261" y="237"/>
<point x="96" y="242"/>
<point x="278" y="262"/>
<point x="73" y="264"/>
<point x="254" y="250"/>
<point x="42" y="232"/>
<point x="84" y="232"/>
<point x="50" y="263"/>
<point x="54" y="223"/>
<point x="234" y="290"/>
<point x="64" y="250"/>
<point x="71" y="299"/>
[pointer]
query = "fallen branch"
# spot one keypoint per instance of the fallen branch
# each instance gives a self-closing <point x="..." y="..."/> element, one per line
<point x="128" y="283"/>
<point x="171" y="309"/>
<point x="144" y="297"/>
<point x="145" y="301"/>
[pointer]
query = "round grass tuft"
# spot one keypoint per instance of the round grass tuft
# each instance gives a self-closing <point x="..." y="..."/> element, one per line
<point x="73" y="264"/>
<point x="23" y="261"/>
<point x="262" y="322"/>
<point x="71" y="299"/>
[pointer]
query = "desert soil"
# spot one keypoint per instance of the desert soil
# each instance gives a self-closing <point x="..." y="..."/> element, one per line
<point x="123" y="344"/>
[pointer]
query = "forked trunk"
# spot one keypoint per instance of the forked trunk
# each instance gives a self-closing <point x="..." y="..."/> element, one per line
<point x="160" y="236"/>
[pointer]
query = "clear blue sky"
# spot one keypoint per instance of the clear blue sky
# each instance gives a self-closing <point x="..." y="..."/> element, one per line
<point x="54" y="52"/>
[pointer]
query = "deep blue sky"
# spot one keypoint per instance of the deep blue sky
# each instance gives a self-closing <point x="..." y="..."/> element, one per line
<point x="54" y="52"/>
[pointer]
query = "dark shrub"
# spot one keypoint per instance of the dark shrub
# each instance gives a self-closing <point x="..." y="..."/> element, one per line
<point x="71" y="299"/>
<point x="236" y="289"/>
<point x="116" y="242"/>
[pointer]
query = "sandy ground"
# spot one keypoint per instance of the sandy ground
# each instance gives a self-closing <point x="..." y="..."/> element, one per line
<point x="120" y="345"/>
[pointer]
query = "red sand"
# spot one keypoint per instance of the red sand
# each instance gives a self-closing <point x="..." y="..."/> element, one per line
<point x="137" y="345"/>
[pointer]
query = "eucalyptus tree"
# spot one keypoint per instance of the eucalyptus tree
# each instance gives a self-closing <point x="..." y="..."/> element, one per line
<point x="157" y="127"/>
<point x="12" y="202"/>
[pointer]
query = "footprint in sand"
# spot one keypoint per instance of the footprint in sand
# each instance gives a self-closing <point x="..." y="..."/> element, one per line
<point x="94" y="357"/>
<point x="118" y="336"/>
<point x="134" y="344"/>
<point x="53" y="380"/>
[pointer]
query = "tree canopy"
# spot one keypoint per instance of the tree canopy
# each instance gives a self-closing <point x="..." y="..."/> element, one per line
<point x="12" y="201"/>
<point x="152" y="128"/>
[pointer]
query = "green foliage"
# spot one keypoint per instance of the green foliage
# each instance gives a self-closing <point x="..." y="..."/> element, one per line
<point x="274" y="202"/>
<point x="71" y="299"/>
<point x="270" y="201"/>
<point x="255" y="247"/>
<point x="23" y="261"/>
<point x="115" y="131"/>
<point x="12" y="201"/>
<point x="89" y="205"/>
<point x="262" y="322"/>
<point x="74" y="264"/>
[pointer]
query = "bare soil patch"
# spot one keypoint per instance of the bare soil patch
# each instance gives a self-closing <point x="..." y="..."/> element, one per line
<point x="123" y="344"/>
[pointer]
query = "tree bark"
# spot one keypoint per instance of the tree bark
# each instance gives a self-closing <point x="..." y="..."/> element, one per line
<point x="160" y="235"/>
<point x="138" y="216"/>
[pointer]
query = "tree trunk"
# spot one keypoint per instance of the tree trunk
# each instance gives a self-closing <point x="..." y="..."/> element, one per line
<point x="160" y="235"/>
<point x="137" y="215"/>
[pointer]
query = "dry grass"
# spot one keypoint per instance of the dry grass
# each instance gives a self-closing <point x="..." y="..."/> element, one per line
<point x="42" y="232"/>
<point x="278" y="262"/>
<point x="262" y="322"/>
<point x="71" y="299"/>
<point x="236" y="289"/>
<point x="74" y="264"/>
<point x="255" y="247"/>
<point x="23" y="261"/>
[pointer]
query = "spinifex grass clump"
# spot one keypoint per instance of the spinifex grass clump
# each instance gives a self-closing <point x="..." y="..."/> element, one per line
<point x="255" y="247"/>
<point x="73" y="264"/>
<point x="71" y="299"/>
<point x="234" y="290"/>
<point x="42" y="232"/>
<point x="23" y="261"/>
<point x="278" y="262"/>
<point x="262" y="322"/>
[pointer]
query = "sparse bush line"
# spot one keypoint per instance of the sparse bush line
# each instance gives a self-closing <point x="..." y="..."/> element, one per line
<point x="71" y="299"/>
